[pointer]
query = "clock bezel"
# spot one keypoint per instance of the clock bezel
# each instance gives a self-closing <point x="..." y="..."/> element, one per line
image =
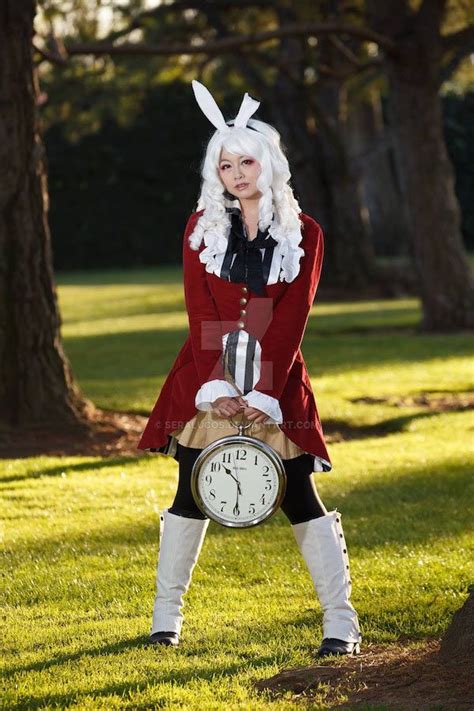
<point x="221" y="444"/>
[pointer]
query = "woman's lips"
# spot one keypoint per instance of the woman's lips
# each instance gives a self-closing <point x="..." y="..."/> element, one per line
<point x="241" y="186"/>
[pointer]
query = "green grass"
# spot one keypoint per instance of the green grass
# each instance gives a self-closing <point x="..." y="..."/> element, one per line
<point x="81" y="533"/>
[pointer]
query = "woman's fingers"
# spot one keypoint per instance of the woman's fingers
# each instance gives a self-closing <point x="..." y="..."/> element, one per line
<point x="230" y="406"/>
<point x="227" y="407"/>
<point x="254" y="415"/>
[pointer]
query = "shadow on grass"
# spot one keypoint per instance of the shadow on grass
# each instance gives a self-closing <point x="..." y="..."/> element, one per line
<point x="383" y="428"/>
<point x="333" y="428"/>
<point x="413" y="509"/>
<point x="180" y="677"/>
<point x="115" y="355"/>
<point x="166" y="274"/>
<point x="344" y="352"/>
<point x="33" y="472"/>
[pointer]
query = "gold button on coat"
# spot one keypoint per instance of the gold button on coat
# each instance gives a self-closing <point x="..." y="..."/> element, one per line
<point x="243" y="312"/>
<point x="243" y="301"/>
<point x="240" y="324"/>
<point x="244" y="289"/>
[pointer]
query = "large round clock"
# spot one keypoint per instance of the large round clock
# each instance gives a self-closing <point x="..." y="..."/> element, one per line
<point x="238" y="481"/>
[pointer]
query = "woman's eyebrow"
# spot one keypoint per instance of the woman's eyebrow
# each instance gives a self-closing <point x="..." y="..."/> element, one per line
<point x="227" y="160"/>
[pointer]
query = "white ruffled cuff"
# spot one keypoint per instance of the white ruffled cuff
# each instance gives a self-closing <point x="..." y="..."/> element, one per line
<point x="210" y="391"/>
<point x="267" y="404"/>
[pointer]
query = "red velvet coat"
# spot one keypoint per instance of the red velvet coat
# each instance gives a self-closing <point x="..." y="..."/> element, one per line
<point x="278" y="320"/>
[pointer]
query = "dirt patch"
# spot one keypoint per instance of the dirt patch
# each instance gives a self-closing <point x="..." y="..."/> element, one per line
<point x="115" y="434"/>
<point x="111" y="434"/>
<point x="431" y="401"/>
<point x="404" y="676"/>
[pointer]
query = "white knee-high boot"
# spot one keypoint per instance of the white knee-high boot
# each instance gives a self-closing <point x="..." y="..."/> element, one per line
<point x="323" y="547"/>
<point x="181" y="540"/>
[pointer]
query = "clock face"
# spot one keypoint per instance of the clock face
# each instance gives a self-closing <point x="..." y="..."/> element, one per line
<point x="238" y="483"/>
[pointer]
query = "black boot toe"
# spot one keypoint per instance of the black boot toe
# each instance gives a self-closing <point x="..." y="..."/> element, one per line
<point x="330" y="645"/>
<point x="169" y="638"/>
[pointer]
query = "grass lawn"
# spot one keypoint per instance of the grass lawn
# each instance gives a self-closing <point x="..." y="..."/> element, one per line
<point x="81" y="533"/>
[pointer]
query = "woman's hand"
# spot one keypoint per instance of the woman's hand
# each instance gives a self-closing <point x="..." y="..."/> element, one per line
<point x="254" y="415"/>
<point x="230" y="406"/>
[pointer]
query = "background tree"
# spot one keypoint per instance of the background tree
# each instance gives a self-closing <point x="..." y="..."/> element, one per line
<point x="417" y="57"/>
<point x="276" y="49"/>
<point x="422" y="59"/>
<point x="36" y="383"/>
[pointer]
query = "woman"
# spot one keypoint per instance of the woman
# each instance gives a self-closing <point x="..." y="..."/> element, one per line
<point x="252" y="262"/>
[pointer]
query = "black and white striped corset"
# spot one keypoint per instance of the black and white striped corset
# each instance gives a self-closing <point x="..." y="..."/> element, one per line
<point x="241" y="359"/>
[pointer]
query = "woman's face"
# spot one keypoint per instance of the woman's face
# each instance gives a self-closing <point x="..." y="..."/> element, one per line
<point x="239" y="175"/>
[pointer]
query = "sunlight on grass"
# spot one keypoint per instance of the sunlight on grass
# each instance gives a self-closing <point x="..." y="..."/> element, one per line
<point x="80" y="534"/>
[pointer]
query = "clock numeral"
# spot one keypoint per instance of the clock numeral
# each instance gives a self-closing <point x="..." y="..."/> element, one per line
<point x="236" y="511"/>
<point x="215" y="466"/>
<point x="262" y="498"/>
<point x="226" y="457"/>
<point x="223" y="504"/>
<point x="268" y="485"/>
<point x="251" y="508"/>
<point x="265" y="470"/>
<point x="208" y="479"/>
<point x="256" y="460"/>
<point x="241" y="454"/>
<point x="212" y="494"/>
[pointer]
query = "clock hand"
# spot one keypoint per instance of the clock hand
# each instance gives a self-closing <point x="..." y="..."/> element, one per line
<point x="239" y="490"/>
<point x="227" y="471"/>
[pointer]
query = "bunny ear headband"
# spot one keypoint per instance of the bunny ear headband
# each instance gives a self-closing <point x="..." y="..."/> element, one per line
<point x="211" y="110"/>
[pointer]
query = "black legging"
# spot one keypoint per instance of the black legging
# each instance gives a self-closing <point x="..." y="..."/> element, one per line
<point x="300" y="503"/>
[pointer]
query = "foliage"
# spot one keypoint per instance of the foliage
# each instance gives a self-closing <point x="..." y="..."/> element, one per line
<point x="121" y="163"/>
<point x="121" y="196"/>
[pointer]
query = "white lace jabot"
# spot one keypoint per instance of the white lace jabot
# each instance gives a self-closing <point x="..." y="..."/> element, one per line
<point x="287" y="253"/>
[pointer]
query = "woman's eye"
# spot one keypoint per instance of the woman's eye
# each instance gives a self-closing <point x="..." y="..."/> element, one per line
<point x="246" y="160"/>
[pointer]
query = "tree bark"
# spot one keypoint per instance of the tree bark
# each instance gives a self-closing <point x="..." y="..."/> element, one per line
<point x="290" y="116"/>
<point x="457" y="644"/>
<point x="372" y="153"/>
<point x="36" y="383"/>
<point x="446" y="281"/>
<point x="322" y="177"/>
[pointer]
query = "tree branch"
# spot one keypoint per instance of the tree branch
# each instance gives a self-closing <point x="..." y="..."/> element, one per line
<point x="346" y="52"/>
<point x="448" y="69"/>
<point x="432" y="13"/>
<point x="50" y="56"/>
<point x="230" y="44"/>
<point x="458" y="40"/>
<point x="54" y="51"/>
<point x="181" y="6"/>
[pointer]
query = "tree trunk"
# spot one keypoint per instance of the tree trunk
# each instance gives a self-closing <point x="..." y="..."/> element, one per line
<point x="457" y="644"/>
<point x="36" y="384"/>
<point x="350" y="253"/>
<point x="373" y="156"/>
<point x="322" y="179"/>
<point x="290" y="116"/>
<point x="446" y="281"/>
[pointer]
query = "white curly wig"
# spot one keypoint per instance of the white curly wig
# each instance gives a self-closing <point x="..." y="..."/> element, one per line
<point x="278" y="208"/>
